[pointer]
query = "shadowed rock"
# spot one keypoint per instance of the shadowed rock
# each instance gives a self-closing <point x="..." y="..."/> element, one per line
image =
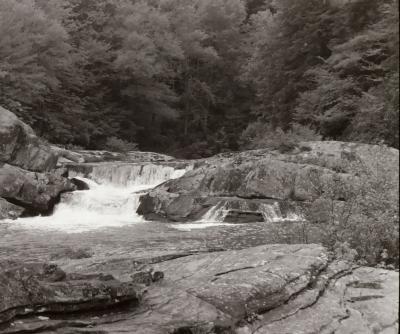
<point x="36" y="288"/>
<point x="80" y="185"/>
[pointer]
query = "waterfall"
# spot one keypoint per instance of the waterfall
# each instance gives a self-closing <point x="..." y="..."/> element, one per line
<point x="111" y="201"/>
<point x="131" y="175"/>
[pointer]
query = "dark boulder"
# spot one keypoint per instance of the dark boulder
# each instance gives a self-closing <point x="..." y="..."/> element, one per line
<point x="80" y="185"/>
<point x="237" y="216"/>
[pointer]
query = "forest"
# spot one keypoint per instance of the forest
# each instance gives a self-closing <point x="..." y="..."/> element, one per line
<point x="195" y="78"/>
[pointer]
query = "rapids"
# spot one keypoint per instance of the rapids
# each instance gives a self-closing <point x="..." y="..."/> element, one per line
<point x="111" y="201"/>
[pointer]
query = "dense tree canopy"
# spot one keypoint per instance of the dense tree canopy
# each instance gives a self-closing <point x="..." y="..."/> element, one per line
<point x="189" y="77"/>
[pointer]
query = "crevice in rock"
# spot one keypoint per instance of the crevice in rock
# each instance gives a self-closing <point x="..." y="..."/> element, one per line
<point x="364" y="298"/>
<point x="234" y="270"/>
<point x="252" y="197"/>
<point x="312" y="284"/>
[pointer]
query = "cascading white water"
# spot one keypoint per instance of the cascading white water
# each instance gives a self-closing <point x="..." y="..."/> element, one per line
<point x="131" y="176"/>
<point x="216" y="213"/>
<point x="270" y="212"/>
<point x="111" y="201"/>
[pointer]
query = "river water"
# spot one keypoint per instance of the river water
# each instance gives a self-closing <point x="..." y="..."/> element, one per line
<point x="104" y="220"/>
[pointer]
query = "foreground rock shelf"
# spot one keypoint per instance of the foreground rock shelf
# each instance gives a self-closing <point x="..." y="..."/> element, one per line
<point x="270" y="289"/>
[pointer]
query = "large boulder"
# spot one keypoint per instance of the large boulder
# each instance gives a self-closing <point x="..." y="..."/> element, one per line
<point x="37" y="193"/>
<point x="20" y="146"/>
<point x="295" y="177"/>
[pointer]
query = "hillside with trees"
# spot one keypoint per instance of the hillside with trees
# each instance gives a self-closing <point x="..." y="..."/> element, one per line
<point x="195" y="78"/>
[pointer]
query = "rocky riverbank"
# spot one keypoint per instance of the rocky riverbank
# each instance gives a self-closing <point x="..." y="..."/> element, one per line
<point x="153" y="278"/>
<point x="246" y="182"/>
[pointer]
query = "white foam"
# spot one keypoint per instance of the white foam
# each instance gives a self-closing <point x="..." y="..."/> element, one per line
<point x="270" y="212"/>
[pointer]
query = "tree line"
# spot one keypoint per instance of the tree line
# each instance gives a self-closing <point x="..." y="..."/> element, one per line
<point x="194" y="78"/>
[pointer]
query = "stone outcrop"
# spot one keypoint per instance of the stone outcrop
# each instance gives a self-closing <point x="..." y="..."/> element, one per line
<point x="19" y="146"/>
<point x="28" y="182"/>
<point x="37" y="193"/>
<point x="297" y="177"/>
<point x="270" y="289"/>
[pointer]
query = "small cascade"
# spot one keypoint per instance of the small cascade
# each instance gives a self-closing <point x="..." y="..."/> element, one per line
<point x="271" y="213"/>
<point x="217" y="213"/>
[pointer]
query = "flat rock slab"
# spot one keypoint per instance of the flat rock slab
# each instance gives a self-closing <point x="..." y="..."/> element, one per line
<point x="271" y="289"/>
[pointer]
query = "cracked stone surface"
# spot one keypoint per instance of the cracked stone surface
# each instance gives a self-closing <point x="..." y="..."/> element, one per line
<point x="270" y="289"/>
<point x="363" y="301"/>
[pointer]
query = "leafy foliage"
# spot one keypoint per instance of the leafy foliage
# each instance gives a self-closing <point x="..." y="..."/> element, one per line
<point x="261" y="135"/>
<point x="189" y="76"/>
<point x="368" y="220"/>
<point x="115" y="144"/>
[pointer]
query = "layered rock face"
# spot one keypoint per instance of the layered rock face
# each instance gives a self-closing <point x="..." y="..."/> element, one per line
<point x="27" y="184"/>
<point x="261" y="176"/>
<point x="40" y="289"/>
<point x="270" y="289"/>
